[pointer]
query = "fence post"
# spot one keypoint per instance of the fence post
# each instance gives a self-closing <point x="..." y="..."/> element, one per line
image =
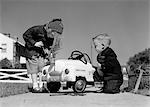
<point x="138" y="81"/>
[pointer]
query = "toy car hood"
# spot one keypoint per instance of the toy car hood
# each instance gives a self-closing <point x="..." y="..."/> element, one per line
<point x="63" y="63"/>
<point x="72" y="65"/>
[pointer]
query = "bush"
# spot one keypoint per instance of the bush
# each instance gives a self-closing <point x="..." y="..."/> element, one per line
<point x="141" y="58"/>
<point x="138" y="59"/>
<point x="5" y="64"/>
<point x="17" y="66"/>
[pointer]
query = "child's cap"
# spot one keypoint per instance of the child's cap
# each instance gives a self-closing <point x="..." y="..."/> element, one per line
<point x="56" y="25"/>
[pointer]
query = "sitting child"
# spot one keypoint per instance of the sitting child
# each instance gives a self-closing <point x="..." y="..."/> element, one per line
<point x="110" y="66"/>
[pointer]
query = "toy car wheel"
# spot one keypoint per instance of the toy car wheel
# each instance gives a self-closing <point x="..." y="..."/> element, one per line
<point x="53" y="86"/>
<point x="79" y="86"/>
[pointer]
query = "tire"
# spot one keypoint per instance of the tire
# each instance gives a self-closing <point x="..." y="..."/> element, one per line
<point x="53" y="87"/>
<point x="79" y="86"/>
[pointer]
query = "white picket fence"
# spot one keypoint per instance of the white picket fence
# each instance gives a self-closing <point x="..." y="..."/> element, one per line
<point x="16" y="75"/>
<point x="19" y="76"/>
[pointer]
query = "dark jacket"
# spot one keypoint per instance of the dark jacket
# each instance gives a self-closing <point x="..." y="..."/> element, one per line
<point x="33" y="35"/>
<point x="110" y="65"/>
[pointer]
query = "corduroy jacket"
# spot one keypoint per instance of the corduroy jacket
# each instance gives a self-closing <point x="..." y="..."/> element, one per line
<point x="33" y="35"/>
<point x="110" y="66"/>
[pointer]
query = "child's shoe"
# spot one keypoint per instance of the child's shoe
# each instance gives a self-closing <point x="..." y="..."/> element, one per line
<point x="36" y="90"/>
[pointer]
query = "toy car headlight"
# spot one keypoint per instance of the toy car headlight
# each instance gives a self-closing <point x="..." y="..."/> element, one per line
<point x="67" y="71"/>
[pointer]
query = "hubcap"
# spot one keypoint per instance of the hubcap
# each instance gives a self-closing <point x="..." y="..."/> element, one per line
<point x="79" y="85"/>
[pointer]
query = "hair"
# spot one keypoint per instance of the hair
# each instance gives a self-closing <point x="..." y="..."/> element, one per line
<point x="103" y="36"/>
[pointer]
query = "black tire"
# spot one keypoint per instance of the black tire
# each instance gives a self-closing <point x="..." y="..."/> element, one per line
<point x="79" y="86"/>
<point x="53" y="87"/>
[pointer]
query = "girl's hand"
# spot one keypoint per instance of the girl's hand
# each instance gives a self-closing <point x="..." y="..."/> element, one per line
<point x="39" y="44"/>
<point x="46" y="51"/>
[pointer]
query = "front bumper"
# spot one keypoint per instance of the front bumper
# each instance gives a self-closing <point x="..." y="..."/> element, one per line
<point x="57" y="79"/>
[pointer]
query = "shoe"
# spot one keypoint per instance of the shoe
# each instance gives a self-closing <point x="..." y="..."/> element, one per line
<point x="42" y="89"/>
<point x="35" y="90"/>
<point x="100" y="90"/>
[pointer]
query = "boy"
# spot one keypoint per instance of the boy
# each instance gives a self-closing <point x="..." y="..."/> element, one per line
<point x="110" y="66"/>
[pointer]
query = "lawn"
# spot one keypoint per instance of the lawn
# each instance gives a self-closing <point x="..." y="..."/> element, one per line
<point x="7" y="89"/>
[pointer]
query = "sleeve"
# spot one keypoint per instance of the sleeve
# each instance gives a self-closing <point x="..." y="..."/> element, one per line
<point x="110" y="62"/>
<point x="100" y="59"/>
<point x="28" y="37"/>
<point x="106" y="62"/>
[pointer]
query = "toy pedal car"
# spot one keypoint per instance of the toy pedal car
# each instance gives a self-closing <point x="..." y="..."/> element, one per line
<point x="75" y="72"/>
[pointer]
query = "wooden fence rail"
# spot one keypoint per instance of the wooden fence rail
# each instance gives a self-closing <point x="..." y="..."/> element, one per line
<point x="19" y="76"/>
<point x="14" y="76"/>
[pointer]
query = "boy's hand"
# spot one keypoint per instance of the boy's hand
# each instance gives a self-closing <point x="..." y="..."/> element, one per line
<point x="46" y="51"/>
<point x="39" y="44"/>
<point x="98" y="65"/>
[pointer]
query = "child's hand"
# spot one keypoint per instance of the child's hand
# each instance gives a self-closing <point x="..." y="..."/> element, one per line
<point x="46" y="51"/>
<point x="39" y="44"/>
<point x="99" y="65"/>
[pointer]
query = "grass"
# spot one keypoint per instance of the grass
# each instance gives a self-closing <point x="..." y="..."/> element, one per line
<point x="7" y="89"/>
<point x="144" y="91"/>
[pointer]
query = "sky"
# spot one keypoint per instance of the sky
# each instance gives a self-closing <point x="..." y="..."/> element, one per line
<point x="126" y="21"/>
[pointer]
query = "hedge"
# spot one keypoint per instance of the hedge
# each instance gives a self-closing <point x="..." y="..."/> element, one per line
<point x="141" y="58"/>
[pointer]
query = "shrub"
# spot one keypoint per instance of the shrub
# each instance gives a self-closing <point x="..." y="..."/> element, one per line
<point x="5" y="64"/>
<point x="17" y="66"/>
<point x="138" y="59"/>
<point x="141" y="58"/>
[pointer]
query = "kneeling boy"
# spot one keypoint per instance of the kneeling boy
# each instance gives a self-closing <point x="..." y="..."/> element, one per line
<point x="110" y="66"/>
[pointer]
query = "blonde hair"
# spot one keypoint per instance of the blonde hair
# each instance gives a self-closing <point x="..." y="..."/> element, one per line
<point x="103" y="36"/>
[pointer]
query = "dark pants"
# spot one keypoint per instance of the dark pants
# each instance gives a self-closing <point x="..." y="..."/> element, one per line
<point x="112" y="86"/>
<point x="98" y="75"/>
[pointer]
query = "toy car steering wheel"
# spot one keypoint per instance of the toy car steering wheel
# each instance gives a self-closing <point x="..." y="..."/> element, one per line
<point x="77" y="55"/>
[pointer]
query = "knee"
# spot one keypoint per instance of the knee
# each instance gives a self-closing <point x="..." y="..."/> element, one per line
<point x="111" y="91"/>
<point x="111" y="86"/>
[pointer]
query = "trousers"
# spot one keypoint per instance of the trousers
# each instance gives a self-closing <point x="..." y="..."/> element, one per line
<point x="35" y="64"/>
<point x="112" y="86"/>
